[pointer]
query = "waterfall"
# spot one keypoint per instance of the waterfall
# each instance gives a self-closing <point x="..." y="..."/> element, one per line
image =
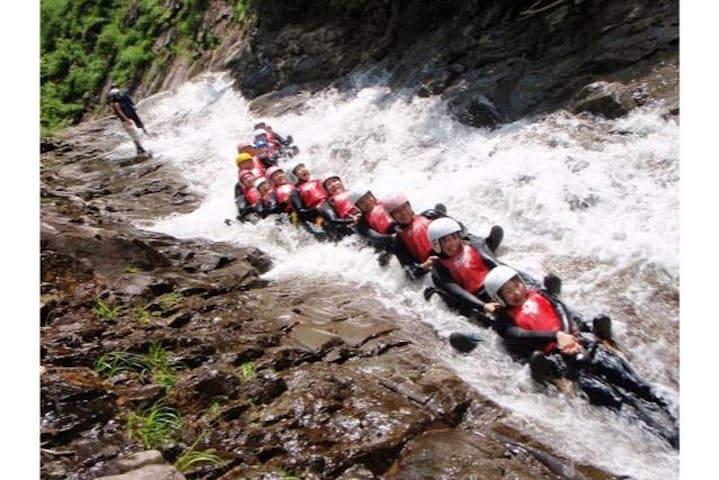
<point x="595" y="201"/>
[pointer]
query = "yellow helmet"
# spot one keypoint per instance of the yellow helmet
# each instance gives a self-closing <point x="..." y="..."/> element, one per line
<point x="242" y="157"/>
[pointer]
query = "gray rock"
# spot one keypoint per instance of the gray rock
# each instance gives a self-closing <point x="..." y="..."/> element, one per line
<point x="149" y="472"/>
<point x="610" y="100"/>
<point x="139" y="460"/>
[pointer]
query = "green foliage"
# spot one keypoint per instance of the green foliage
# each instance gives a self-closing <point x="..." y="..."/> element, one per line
<point x="141" y="315"/>
<point x="240" y="11"/>
<point x="132" y="269"/>
<point x="192" y="456"/>
<point x="84" y="44"/>
<point x="105" y="312"/>
<point x="169" y="300"/>
<point x="155" y="365"/>
<point x="286" y="476"/>
<point x="247" y="370"/>
<point x="113" y="363"/>
<point x="155" y="426"/>
<point x="158" y="365"/>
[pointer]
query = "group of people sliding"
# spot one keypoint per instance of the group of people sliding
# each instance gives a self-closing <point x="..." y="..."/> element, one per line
<point x="535" y="325"/>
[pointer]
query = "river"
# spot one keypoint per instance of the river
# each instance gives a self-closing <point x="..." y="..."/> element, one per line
<point x="595" y="201"/>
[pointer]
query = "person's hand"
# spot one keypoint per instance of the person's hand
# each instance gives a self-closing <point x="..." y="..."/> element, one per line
<point x="492" y="307"/>
<point x="427" y="264"/>
<point x="567" y="343"/>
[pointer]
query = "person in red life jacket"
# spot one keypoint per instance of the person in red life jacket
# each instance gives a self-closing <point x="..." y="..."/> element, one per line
<point x="535" y="323"/>
<point x="308" y="194"/>
<point x="283" y="188"/>
<point x="462" y="265"/>
<point x="246" y="161"/>
<point x="267" y="197"/>
<point x="338" y="211"/>
<point x="411" y="245"/>
<point x="374" y="223"/>
<point x="247" y="198"/>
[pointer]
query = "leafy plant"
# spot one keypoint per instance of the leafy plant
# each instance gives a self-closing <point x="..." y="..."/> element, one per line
<point x="192" y="456"/>
<point x="247" y="370"/>
<point x="105" y="312"/>
<point x="132" y="269"/>
<point x="154" y="426"/>
<point x="286" y="476"/>
<point x="157" y="363"/>
<point x="113" y="363"/>
<point x="169" y="300"/>
<point x="142" y="316"/>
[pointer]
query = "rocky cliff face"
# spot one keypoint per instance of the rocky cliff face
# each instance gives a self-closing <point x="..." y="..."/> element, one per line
<point x="152" y="342"/>
<point x="494" y="61"/>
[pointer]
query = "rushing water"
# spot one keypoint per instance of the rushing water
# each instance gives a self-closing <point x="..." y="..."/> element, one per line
<point x="592" y="200"/>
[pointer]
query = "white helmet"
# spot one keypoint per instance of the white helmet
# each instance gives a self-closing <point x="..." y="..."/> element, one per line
<point x="440" y="228"/>
<point x="357" y="193"/>
<point x="260" y="131"/>
<point x="496" y="279"/>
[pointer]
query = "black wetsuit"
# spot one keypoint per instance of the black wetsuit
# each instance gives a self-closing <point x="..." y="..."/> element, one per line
<point x="596" y="370"/>
<point x="381" y="241"/>
<point x="336" y="227"/>
<point x="244" y="208"/>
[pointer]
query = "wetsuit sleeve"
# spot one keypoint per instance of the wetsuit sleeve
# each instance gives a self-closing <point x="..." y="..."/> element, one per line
<point x="443" y="280"/>
<point x="381" y="240"/>
<point x="304" y="214"/>
<point x="410" y="267"/>
<point x="241" y="202"/>
<point x="329" y="214"/>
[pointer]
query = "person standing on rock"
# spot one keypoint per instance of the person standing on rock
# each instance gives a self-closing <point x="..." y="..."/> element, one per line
<point x="124" y="108"/>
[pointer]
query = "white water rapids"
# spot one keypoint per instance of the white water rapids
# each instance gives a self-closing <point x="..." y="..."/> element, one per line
<point x="595" y="201"/>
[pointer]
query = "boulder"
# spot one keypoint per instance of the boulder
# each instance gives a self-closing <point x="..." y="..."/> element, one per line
<point x="476" y="110"/>
<point x="149" y="472"/>
<point x="609" y="100"/>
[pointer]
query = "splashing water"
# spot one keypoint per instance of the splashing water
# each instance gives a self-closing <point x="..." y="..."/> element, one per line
<point x="593" y="200"/>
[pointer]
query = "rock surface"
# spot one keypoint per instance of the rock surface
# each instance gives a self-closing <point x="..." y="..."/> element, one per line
<point x="299" y="378"/>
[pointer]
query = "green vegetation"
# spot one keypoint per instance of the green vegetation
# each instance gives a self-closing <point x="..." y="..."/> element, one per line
<point x="286" y="476"/>
<point x="85" y="43"/>
<point x="132" y="269"/>
<point x="191" y="457"/>
<point x="158" y="365"/>
<point x="169" y="300"/>
<point x="141" y="315"/>
<point x="247" y="370"/>
<point x="155" y="364"/>
<point x="154" y="426"/>
<point x="105" y="312"/>
<point x="113" y="363"/>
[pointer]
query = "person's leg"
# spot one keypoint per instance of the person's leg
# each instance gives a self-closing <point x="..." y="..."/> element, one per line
<point x="496" y="234"/>
<point x="127" y="126"/>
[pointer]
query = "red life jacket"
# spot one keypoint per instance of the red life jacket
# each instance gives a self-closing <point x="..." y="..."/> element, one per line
<point x="258" y="166"/>
<point x="414" y="236"/>
<point x="378" y="219"/>
<point x="252" y="195"/>
<point x="536" y="314"/>
<point x="467" y="268"/>
<point x="283" y="193"/>
<point x="312" y="193"/>
<point x="342" y="204"/>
